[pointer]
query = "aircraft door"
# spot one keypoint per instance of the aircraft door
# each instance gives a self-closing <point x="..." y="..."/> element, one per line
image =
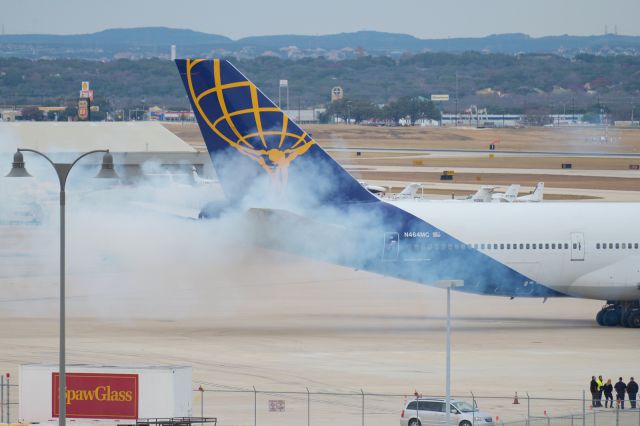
<point x="391" y="246"/>
<point x="577" y="246"/>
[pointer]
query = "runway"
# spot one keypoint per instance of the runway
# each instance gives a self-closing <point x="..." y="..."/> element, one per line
<point x="485" y="152"/>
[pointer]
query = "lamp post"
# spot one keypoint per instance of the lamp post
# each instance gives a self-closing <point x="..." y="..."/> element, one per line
<point x="448" y="284"/>
<point x="62" y="170"/>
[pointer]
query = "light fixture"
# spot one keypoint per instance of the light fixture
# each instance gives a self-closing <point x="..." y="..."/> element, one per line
<point x="107" y="171"/>
<point x="18" y="169"/>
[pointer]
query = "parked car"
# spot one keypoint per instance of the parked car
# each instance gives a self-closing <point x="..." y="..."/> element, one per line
<point x="431" y="411"/>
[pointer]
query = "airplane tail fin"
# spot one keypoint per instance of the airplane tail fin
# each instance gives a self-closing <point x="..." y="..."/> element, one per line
<point x="512" y="193"/>
<point x="483" y="195"/>
<point x="538" y="194"/>
<point x="254" y="146"/>
<point x="409" y="191"/>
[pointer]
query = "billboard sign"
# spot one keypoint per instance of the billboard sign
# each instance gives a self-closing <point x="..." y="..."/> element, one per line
<point x="284" y="83"/>
<point x="97" y="395"/>
<point x="85" y="86"/>
<point x="439" y="98"/>
<point x="86" y="94"/>
<point x="83" y="109"/>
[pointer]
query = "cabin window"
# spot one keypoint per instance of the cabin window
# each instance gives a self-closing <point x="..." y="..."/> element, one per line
<point x="482" y="246"/>
<point x="495" y="247"/>
<point x="501" y="246"/>
<point x="624" y="245"/>
<point x="617" y="245"/>
<point x="546" y="246"/>
<point x="566" y="246"/>
<point x="575" y="245"/>
<point x="597" y="245"/>
<point x="508" y="246"/>
<point x="553" y="246"/>
<point x="527" y="246"/>
<point x="535" y="246"/>
<point x="635" y="245"/>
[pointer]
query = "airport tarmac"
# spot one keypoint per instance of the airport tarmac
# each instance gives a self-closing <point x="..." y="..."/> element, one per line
<point x="147" y="289"/>
<point x="181" y="292"/>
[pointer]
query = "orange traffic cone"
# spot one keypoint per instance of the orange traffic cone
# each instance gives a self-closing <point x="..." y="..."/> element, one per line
<point x="515" y="399"/>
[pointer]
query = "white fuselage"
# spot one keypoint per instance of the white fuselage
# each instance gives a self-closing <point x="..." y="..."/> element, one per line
<point x="587" y="250"/>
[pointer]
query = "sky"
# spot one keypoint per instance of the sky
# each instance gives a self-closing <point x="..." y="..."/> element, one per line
<point x="241" y="18"/>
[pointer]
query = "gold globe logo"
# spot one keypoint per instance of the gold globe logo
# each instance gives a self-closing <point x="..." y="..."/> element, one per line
<point x="272" y="148"/>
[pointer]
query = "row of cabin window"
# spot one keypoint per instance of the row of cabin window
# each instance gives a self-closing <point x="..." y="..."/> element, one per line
<point x="605" y="246"/>
<point x="503" y="246"/>
<point x="525" y="246"/>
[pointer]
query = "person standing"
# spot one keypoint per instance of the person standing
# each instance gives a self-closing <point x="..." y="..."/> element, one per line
<point x="632" y="390"/>
<point x="608" y="394"/>
<point x="621" y="390"/>
<point x="600" y="386"/>
<point x="593" y="388"/>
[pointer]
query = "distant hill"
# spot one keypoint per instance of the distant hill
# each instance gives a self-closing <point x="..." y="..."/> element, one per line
<point x="137" y="43"/>
<point x="150" y="36"/>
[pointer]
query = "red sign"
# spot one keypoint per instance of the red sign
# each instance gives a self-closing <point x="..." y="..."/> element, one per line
<point x="98" y="395"/>
<point x="83" y="109"/>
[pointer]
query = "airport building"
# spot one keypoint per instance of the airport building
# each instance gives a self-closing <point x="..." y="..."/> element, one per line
<point x="305" y="115"/>
<point x="131" y="143"/>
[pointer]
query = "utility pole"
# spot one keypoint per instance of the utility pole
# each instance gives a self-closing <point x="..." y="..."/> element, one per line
<point x="456" y="98"/>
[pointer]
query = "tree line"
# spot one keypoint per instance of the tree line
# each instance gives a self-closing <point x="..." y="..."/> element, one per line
<point x="498" y="82"/>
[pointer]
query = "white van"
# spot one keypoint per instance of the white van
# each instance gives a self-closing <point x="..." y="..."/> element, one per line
<point x="431" y="411"/>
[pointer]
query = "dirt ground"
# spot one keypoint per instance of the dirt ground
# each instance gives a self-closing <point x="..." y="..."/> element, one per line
<point x="569" y="139"/>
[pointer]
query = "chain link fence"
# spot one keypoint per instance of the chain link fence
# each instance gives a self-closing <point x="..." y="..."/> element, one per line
<point x="8" y="400"/>
<point x="260" y="407"/>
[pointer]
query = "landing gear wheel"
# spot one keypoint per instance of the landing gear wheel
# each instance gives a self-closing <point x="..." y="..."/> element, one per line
<point x="624" y="321"/>
<point x="633" y="319"/>
<point x="465" y="423"/>
<point x="600" y="318"/>
<point x="612" y="317"/>
<point x="414" y="422"/>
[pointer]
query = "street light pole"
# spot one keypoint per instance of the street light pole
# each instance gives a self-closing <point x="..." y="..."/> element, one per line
<point x="62" y="171"/>
<point x="448" y="284"/>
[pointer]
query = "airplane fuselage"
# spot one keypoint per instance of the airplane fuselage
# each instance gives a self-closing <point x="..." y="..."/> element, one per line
<point x="587" y="250"/>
